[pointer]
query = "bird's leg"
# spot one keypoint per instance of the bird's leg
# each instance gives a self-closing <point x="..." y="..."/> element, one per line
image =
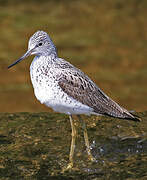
<point x="86" y="139"/>
<point x="72" y="148"/>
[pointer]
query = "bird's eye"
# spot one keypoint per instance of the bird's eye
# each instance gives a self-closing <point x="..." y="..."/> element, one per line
<point x="40" y="44"/>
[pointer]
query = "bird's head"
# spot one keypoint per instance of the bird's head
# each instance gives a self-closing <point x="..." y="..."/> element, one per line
<point x="39" y="44"/>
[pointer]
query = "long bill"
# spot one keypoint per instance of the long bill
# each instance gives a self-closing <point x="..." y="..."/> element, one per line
<point x="28" y="53"/>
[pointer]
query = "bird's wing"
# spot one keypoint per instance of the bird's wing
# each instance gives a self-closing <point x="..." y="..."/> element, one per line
<point x="80" y="87"/>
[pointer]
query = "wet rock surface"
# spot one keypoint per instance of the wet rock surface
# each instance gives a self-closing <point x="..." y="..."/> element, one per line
<point x="36" y="146"/>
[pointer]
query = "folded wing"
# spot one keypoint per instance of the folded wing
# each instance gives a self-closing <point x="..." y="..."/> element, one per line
<point x="80" y="87"/>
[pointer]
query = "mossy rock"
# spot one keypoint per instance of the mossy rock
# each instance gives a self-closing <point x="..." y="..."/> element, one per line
<point x="36" y="146"/>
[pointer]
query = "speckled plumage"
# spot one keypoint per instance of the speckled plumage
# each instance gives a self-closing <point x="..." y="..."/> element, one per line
<point x="45" y="78"/>
<point x="63" y="87"/>
<point x="66" y="89"/>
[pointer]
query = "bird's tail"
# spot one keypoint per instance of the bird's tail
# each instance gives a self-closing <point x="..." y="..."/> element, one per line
<point x="125" y="115"/>
<point x="132" y="117"/>
<point x="115" y="110"/>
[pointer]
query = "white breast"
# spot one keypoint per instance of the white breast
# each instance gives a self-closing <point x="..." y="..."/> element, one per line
<point x="48" y="92"/>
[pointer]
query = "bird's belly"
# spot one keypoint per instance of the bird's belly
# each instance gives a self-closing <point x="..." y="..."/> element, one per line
<point x="60" y="101"/>
<point x="69" y="107"/>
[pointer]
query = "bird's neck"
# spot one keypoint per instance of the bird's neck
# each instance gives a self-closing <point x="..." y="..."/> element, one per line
<point x="44" y="59"/>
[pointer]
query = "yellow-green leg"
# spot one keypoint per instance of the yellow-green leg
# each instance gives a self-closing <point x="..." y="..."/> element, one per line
<point x="86" y="140"/>
<point x="72" y="148"/>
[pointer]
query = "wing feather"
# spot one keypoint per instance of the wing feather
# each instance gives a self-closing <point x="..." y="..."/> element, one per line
<point x="79" y="86"/>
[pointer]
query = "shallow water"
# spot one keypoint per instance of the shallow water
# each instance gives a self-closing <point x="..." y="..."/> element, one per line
<point x="36" y="146"/>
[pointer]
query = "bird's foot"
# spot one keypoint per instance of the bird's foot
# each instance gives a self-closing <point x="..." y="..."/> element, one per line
<point x="68" y="167"/>
<point x="91" y="158"/>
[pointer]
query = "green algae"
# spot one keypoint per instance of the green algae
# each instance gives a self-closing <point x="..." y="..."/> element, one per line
<point x="36" y="146"/>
